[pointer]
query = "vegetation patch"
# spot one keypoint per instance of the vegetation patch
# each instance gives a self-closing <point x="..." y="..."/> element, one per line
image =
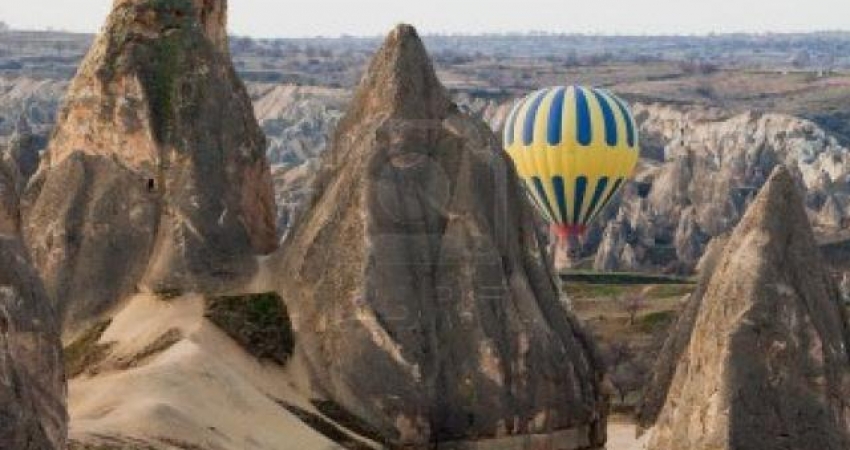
<point x="652" y="321"/>
<point x="621" y="278"/>
<point x="86" y="352"/>
<point x="587" y="290"/>
<point x="259" y="323"/>
<point x="671" y="290"/>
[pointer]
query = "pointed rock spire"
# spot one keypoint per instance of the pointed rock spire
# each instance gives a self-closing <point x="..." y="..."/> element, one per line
<point x="156" y="176"/>
<point x="766" y="361"/>
<point x="419" y="287"/>
<point x="401" y="81"/>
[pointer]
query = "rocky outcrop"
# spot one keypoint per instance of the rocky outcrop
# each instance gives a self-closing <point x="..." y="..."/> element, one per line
<point x="298" y="121"/>
<point x="610" y="256"/>
<point x="419" y="292"/>
<point x="24" y="147"/>
<point x="712" y="168"/>
<point x="37" y="99"/>
<point x="155" y="176"/>
<point x="32" y="379"/>
<point x="832" y="214"/>
<point x="689" y="240"/>
<point x="766" y="363"/>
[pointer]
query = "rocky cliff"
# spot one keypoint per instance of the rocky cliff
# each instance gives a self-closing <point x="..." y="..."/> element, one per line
<point x="712" y="167"/>
<point x="765" y="362"/>
<point x="32" y="378"/>
<point x="420" y="295"/>
<point x="156" y="175"/>
<point x="298" y="121"/>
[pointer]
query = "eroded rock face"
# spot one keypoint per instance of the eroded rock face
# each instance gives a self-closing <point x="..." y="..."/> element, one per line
<point x="32" y="379"/>
<point x="609" y="257"/>
<point x="24" y="147"/>
<point x="418" y="288"/>
<point x="765" y="363"/>
<point x="155" y="176"/>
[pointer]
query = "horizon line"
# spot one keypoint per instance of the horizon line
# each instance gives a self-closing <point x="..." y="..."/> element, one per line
<point x="526" y="33"/>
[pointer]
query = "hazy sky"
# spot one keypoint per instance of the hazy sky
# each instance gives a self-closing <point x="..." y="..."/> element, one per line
<point x="284" y="18"/>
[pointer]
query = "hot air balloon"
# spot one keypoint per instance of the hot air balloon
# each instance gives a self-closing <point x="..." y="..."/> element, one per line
<point x="574" y="147"/>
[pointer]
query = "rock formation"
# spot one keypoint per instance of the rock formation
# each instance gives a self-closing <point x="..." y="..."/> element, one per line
<point x="419" y="292"/>
<point x="156" y="175"/>
<point x="713" y="166"/>
<point x="832" y="213"/>
<point x="609" y="257"/>
<point x="298" y="122"/>
<point x="766" y="364"/>
<point x="32" y="379"/>
<point x="689" y="240"/>
<point x="677" y="341"/>
<point x="24" y="147"/>
<point x="844" y="287"/>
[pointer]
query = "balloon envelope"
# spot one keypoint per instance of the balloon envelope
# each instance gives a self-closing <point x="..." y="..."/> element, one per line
<point x="574" y="147"/>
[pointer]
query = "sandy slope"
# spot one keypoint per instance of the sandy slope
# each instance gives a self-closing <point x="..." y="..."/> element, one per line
<point x="203" y="391"/>
<point x="621" y="436"/>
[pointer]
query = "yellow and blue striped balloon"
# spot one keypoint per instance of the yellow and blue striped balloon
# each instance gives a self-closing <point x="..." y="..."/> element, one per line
<point x="574" y="147"/>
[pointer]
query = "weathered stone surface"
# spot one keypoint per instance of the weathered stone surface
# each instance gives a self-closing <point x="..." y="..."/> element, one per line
<point x="690" y="240"/>
<point x="832" y="213"/>
<point x="678" y="339"/>
<point x="156" y="174"/>
<point x="765" y="363"/>
<point x="418" y="289"/>
<point x="32" y="379"/>
<point x="609" y="257"/>
<point x="24" y="147"/>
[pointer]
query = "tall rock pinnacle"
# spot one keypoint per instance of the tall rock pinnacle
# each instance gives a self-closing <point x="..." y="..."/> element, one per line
<point x="766" y="364"/>
<point x="420" y="292"/>
<point x="156" y="174"/>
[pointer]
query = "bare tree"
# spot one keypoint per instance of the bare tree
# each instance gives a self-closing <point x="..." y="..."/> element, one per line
<point x="628" y="378"/>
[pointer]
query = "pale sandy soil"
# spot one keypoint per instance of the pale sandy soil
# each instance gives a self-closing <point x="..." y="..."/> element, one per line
<point x="204" y="391"/>
<point x="621" y="436"/>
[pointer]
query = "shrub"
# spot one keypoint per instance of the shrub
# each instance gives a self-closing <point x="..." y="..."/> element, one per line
<point x="258" y="322"/>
